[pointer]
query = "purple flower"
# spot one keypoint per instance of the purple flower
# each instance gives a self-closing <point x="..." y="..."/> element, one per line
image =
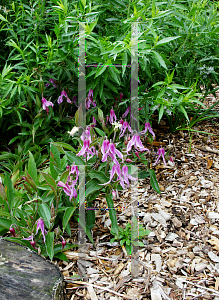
<point x="110" y="149"/>
<point x="160" y="152"/>
<point x="125" y="125"/>
<point x="75" y="100"/>
<point x="41" y="226"/>
<point x="112" y="117"/>
<point x="126" y="112"/>
<point x="68" y="189"/>
<point x="53" y="82"/>
<point x="86" y="135"/>
<point x="63" y="94"/>
<point x="135" y="141"/>
<point x="74" y="170"/>
<point x="148" y="128"/>
<point x="89" y="100"/>
<point x="30" y="238"/>
<point x="94" y="122"/>
<point x="46" y="104"/>
<point x="85" y="149"/>
<point x="115" y="170"/>
<point x="126" y="175"/>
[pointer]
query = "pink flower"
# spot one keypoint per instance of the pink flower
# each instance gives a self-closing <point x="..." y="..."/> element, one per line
<point x="30" y="238"/>
<point x="112" y="118"/>
<point x="126" y="112"/>
<point x="68" y="189"/>
<point x="115" y="170"/>
<point x="46" y="104"/>
<point x="63" y="94"/>
<point x="110" y="149"/>
<point x="53" y="82"/>
<point x="41" y="226"/>
<point x="160" y="152"/>
<point x="135" y="141"/>
<point x="125" y="125"/>
<point x="94" y="122"/>
<point x="148" y="128"/>
<point x="137" y="154"/>
<point x="74" y="170"/>
<point x="85" y="149"/>
<point x="89" y="100"/>
<point x="126" y="175"/>
<point x="86" y="135"/>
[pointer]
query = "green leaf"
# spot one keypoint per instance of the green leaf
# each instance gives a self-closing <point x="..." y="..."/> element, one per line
<point x="67" y="216"/>
<point x="65" y="146"/>
<point x="3" y="18"/>
<point x="5" y="223"/>
<point x="159" y="58"/>
<point x="45" y="214"/>
<point x="167" y="40"/>
<point x="153" y="181"/>
<point x="50" y="244"/>
<point x="112" y="214"/>
<point x="92" y="185"/>
<point x="99" y="175"/>
<point x="100" y="132"/>
<point x="74" y="159"/>
<point x="9" y="190"/>
<point x="51" y="182"/>
<point x="32" y="170"/>
<point x="56" y="154"/>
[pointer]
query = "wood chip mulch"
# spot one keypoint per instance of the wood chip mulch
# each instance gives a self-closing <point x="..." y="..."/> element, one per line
<point x="180" y="259"/>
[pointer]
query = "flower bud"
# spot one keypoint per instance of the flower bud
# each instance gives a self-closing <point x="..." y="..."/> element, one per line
<point x="52" y="211"/>
<point x="137" y="154"/>
<point x="12" y="231"/>
<point x="125" y="142"/>
<point x="114" y="195"/>
<point x="129" y="160"/>
<point x="33" y="244"/>
<point x="63" y="243"/>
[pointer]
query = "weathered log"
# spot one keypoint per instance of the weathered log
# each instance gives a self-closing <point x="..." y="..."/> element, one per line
<point x="25" y="275"/>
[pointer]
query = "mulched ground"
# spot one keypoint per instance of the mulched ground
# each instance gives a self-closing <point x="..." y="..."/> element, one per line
<point x="180" y="259"/>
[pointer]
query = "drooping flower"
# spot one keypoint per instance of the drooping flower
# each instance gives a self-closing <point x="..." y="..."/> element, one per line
<point x="148" y="128"/>
<point x="46" y="105"/>
<point x="126" y="112"/>
<point x="112" y="117"/>
<point x="30" y="238"/>
<point x="74" y="170"/>
<point x="89" y="100"/>
<point x="115" y="170"/>
<point x="126" y="175"/>
<point x="125" y="125"/>
<point x="110" y="149"/>
<point x="135" y="141"/>
<point x="94" y="122"/>
<point x="86" y="135"/>
<point x="68" y="189"/>
<point x="63" y="94"/>
<point x="85" y="149"/>
<point x="41" y="226"/>
<point x="160" y="152"/>
<point x="53" y="82"/>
